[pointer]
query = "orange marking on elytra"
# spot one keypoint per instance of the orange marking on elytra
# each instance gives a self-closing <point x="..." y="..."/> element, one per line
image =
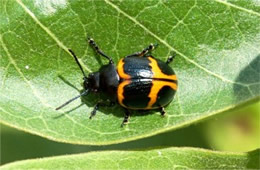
<point x="156" y="87"/>
<point x="157" y="73"/>
<point x="120" y="70"/>
<point x="120" y="91"/>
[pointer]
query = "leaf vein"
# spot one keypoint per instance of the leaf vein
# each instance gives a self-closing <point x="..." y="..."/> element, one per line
<point x="5" y="75"/>
<point x="19" y="117"/>
<point x="60" y="44"/>
<point x="238" y="7"/>
<point x="23" y="76"/>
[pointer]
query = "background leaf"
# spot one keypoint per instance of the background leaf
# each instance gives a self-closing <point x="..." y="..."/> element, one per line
<point x="218" y="62"/>
<point x="184" y="158"/>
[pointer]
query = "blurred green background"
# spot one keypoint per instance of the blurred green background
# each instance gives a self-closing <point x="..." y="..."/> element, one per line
<point x="237" y="130"/>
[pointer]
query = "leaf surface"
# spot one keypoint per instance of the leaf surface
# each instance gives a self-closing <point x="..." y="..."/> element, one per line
<point x="217" y="63"/>
<point x="176" y="158"/>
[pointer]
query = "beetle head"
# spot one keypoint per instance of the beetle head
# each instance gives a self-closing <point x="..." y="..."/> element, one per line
<point x="92" y="82"/>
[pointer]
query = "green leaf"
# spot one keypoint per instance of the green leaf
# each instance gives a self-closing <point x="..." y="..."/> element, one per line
<point x="218" y="60"/>
<point x="184" y="158"/>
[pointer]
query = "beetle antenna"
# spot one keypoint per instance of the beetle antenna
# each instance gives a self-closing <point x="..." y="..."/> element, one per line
<point x="71" y="100"/>
<point x="77" y="61"/>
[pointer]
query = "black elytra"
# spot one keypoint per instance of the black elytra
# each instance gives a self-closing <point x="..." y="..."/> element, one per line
<point x="138" y="82"/>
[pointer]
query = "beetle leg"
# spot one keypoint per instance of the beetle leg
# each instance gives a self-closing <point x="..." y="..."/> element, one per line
<point x="95" y="47"/>
<point x="93" y="113"/>
<point x="126" y="118"/>
<point x="144" y="51"/>
<point x="162" y="111"/>
<point x="170" y="58"/>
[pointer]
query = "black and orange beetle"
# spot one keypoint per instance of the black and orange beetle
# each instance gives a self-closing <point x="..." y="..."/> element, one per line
<point x="140" y="82"/>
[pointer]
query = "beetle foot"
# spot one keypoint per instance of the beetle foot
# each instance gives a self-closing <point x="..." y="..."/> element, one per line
<point x="171" y="57"/>
<point x="125" y="121"/>
<point x="93" y="113"/>
<point x="162" y="111"/>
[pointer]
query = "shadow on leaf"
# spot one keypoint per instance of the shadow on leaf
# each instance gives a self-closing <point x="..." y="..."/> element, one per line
<point x="248" y="81"/>
<point x="91" y="100"/>
<point x="254" y="161"/>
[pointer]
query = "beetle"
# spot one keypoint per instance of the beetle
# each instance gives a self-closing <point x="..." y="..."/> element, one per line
<point x="139" y="82"/>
